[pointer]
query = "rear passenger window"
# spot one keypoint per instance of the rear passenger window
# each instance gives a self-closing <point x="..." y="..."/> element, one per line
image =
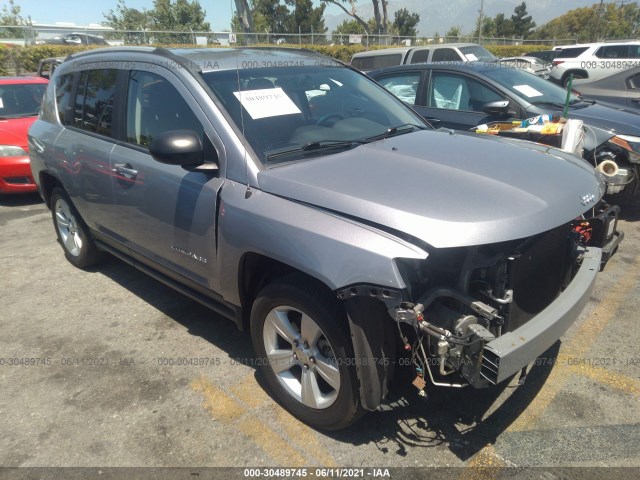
<point x="64" y="84"/>
<point x="613" y="51"/>
<point x="155" y="106"/>
<point x="403" y="85"/>
<point x="446" y="55"/>
<point x="94" y="101"/>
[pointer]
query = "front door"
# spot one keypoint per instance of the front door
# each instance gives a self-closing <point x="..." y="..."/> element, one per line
<point x="168" y="212"/>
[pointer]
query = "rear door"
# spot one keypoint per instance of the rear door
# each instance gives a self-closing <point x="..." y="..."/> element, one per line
<point x="167" y="212"/>
<point x="84" y="146"/>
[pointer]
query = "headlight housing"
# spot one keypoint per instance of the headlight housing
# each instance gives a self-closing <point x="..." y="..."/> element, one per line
<point x="630" y="143"/>
<point x="12" y="151"/>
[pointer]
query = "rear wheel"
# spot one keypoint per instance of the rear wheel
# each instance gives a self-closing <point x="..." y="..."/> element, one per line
<point x="304" y="352"/>
<point x="576" y="76"/>
<point x="73" y="233"/>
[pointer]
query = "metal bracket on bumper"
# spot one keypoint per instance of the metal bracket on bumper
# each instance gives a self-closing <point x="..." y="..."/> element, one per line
<point x="509" y="353"/>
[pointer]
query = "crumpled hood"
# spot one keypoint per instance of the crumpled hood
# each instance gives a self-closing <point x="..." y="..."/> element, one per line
<point x="446" y="189"/>
<point x="13" y="131"/>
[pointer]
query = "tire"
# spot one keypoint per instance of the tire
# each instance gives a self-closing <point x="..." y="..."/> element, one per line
<point x="319" y="384"/>
<point x="73" y="233"/>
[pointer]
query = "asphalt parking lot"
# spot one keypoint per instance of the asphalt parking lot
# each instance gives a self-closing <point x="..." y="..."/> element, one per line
<point x="109" y="368"/>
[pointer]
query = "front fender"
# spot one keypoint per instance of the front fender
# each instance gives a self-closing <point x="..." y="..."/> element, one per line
<point x="335" y="250"/>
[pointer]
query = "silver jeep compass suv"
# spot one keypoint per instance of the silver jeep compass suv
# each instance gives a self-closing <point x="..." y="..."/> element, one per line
<point x="300" y="199"/>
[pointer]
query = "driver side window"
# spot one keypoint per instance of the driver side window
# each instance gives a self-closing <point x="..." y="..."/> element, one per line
<point x="155" y="106"/>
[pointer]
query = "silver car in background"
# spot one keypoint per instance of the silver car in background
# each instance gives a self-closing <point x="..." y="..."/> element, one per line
<point x="306" y="203"/>
<point x="528" y="64"/>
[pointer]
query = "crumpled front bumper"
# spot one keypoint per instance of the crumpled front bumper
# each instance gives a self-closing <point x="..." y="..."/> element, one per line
<point x="509" y="353"/>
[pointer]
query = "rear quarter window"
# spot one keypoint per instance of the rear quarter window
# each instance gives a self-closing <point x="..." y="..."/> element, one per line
<point x="376" y="61"/>
<point x="420" y="56"/>
<point x="445" y="55"/>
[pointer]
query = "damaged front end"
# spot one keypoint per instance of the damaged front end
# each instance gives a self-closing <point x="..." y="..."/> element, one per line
<point x="478" y="315"/>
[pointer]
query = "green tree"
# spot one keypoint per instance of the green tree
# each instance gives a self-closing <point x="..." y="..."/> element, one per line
<point x="488" y="28"/>
<point x="11" y="16"/>
<point x="244" y="17"/>
<point x="404" y="23"/>
<point x="179" y="15"/>
<point x="166" y="15"/>
<point x="305" y="18"/>
<point x="503" y="26"/>
<point x="595" y="23"/>
<point x="124" y="18"/>
<point x="455" y="31"/>
<point x="523" y="24"/>
<point x="380" y="15"/>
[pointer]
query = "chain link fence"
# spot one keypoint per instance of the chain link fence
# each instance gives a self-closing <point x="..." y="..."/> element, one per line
<point x="94" y="34"/>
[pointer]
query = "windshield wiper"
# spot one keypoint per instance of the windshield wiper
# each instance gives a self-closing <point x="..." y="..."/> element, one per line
<point x="549" y="104"/>
<point x="393" y="131"/>
<point x="316" y="146"/>
<point x="581" y="99"/>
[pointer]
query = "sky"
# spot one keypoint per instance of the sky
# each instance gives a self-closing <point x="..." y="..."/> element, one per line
<point x="85" y="12"/>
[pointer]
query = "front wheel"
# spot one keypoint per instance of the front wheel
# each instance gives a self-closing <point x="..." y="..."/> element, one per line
<point x="301" y="339"/>
<point x="73" y="233"/>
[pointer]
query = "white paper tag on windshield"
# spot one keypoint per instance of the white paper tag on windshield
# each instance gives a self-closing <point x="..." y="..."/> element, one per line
<point x="528" y="91"/>
<point x="1" y="103"/>
<point x="471" y="57"/>
<point x="266" y="102"/>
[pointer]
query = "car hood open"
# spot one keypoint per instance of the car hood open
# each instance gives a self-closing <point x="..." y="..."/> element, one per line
<point x="447" y="189"/>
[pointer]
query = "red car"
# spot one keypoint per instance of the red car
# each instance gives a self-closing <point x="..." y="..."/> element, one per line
<point x="20" y="101"/>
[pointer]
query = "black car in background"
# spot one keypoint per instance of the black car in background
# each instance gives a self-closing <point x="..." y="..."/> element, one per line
<point x="546" y="56"/>
<point x="464" y="95"/>
<point x="75" y="38"/>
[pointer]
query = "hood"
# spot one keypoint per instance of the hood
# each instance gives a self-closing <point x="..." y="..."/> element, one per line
<point x="609" y="117"/>
<point x="447" y="189"/>
<point x="13" y="131"/>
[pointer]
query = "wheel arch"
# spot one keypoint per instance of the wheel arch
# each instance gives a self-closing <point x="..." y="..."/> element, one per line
<point x="257" y="270"/>
<point x="47" y="182"/>
<point x="575" y="71"/>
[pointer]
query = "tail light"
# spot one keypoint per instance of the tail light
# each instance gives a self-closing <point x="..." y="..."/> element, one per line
<point x="557" y="62"/>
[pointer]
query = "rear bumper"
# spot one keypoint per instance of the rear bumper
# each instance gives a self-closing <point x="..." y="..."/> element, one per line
<point x="509" y="353"/>
<point x="15" y="175"/>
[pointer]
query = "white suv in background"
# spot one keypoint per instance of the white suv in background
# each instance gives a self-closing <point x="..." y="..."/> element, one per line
<point x="594" y="60"/>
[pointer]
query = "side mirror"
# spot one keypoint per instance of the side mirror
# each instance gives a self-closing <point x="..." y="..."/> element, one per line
<point x="499" y="107"/>
<point x="177" y="147"/>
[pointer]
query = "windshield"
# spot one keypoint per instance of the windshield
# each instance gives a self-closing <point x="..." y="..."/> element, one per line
<point x="305" y="111"/>
<point x="529" y="87"/>
<point x="21" y="100"/>
<point x="476" y="52"/>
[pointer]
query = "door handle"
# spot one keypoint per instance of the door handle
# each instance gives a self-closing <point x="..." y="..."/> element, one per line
<point x="125" y="170"/>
